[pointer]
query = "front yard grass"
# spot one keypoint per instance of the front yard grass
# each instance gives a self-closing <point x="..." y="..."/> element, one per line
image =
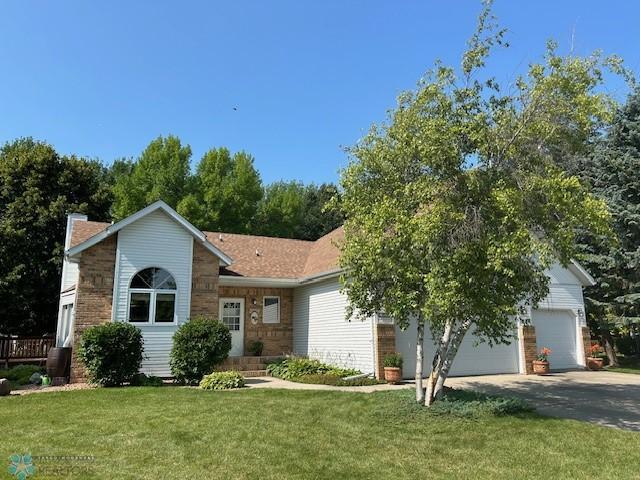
<point x="172" y="432"/>
<point x="627" y="365"/>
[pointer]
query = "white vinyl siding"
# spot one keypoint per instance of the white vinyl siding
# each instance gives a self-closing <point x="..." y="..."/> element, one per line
<point x="322" y="331"/>
<point x="154" y="241"/>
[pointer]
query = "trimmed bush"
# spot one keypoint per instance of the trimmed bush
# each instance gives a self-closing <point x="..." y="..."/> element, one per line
<point x="142" y="380"/>
<point x="255" y="348"/>
<point x="293" y="367"/>
<point x="222" y="381"/>
<point x="198" y="347"/>
<point x="111" y="353"/>
<point x="336" y="380"/>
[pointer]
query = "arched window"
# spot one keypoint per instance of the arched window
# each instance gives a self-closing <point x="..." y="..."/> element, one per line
<point x="152" y="297"/>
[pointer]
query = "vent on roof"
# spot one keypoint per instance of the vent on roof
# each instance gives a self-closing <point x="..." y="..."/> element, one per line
<point x="220" y="237"/>
<point x="257" y="252"/>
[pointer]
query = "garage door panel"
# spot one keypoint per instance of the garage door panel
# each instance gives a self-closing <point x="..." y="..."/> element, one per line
<point x="479" y="358"/>
<point x="472" y="358"/>
<point x="556" y="329"/>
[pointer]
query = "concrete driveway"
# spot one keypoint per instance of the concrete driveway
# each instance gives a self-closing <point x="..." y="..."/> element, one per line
<point x="605" y="398"/>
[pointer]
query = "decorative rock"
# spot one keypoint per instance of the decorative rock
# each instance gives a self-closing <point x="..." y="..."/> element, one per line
<point x="35" y="379"/>
<point x="5" y="387"/>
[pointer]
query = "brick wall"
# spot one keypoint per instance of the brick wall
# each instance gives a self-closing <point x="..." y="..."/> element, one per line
<point x="277" y="337"/>
<point x="586" y="341"/>
<point x="385" y="344"/>
<point x="204" y="282"/>
<point x="528" y="346"/>
<point x="94" y="294"/>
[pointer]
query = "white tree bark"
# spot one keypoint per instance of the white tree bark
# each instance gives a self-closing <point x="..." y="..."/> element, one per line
<point x="456" y="340"/>
<point x="419" y="359"/>
<point x="448" y="347"/>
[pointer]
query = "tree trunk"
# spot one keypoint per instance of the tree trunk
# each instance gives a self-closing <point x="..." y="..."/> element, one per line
<point x="607" y="341"/>
<point x="454" y="344"/>
<point x="419" y="358"/>
<point x="437" y="364"/>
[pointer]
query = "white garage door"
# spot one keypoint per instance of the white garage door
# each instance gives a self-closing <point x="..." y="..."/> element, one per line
<point x="556" y="329"/>
<point x="470" y="360"/>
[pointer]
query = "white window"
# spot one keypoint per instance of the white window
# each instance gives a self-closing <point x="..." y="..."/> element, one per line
<point x="271" y="310"/>
<point x="232" y="314"/>
<point x="152" y="297"/>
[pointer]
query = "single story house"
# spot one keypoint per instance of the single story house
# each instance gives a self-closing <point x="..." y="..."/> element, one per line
<point x="156" y="270"/>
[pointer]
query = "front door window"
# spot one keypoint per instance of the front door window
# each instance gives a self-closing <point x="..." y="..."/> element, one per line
<point x="232" y="315"/>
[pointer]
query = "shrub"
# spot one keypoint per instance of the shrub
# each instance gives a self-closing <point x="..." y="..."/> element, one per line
<point x="20" y="374"/>
<point x="463" y="403"/>
<point x="142" y="380"/>
<point x="336" y="380"/>
<point x="625" y="345"/>
<point x="292" y="367"/>
<point x="111" y="353"/>
<point x="394" y="360"/>
<point x="198" y="346"/>
<point x="256" y="347"/>
<point x="222" y="381"/>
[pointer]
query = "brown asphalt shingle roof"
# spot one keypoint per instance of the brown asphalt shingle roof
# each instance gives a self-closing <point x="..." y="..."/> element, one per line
<point x="282" y="258"/>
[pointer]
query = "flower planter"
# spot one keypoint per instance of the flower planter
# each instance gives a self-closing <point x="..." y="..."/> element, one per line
<point x="540" y="367"/>
<point x="594" y="363"/>
<point x="393" y="375"/>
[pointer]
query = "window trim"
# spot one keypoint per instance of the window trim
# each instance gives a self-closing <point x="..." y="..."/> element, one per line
<point x="267" y="297"/>
<point x="152" y="300"/>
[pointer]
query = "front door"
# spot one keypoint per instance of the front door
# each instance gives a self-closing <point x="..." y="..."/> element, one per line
<point x="232" y="315"/>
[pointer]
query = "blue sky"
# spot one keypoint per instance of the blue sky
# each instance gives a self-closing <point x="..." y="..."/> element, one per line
<point x="307" y="78"/>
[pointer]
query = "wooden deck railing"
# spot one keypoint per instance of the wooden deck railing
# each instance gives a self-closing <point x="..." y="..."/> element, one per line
<point x="15" y="349"/>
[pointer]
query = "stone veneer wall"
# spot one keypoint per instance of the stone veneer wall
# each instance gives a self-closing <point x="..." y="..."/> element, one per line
<point x="385" y="344"/>
<point x="94" y="295"/>
<point x="277" y="337"/>
<point x="528" y="346"/>
<point x="586" y="341"/>
<point x="204" y="282"/>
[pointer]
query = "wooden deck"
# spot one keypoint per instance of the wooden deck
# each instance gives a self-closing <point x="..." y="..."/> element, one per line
<point x="24" y="349"/>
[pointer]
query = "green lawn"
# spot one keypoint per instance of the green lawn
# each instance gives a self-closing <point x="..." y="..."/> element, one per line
<point x="627" y="365"/>
<point x="171" y="432"/>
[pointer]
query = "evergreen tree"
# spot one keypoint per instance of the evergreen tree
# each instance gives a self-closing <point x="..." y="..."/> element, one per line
<point x="612" y="171"/>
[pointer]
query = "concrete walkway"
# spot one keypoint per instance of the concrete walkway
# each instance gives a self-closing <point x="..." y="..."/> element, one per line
<point x="605" y="398"/>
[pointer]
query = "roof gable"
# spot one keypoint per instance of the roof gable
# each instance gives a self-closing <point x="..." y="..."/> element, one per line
<point x="103" y="233"/>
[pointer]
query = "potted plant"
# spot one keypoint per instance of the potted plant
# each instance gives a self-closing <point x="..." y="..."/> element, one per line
<point x="541" y="363"/>
<point x="255" y="348"/>
<point x="594" y="360"/>
<point x="393" y="368"/>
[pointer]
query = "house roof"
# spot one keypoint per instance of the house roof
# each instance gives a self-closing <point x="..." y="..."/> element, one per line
<point x="252" y="256"/>
<point x="263" y="257"/>
<point x="155" y="206"/>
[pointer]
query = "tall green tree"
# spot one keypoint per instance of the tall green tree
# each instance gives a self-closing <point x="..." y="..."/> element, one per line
<point x="162" y="172"/>
<point x="321" y="211"/>
<point x="38" y="188"/>
<point x="281" y="211"/>
<point x="226" y="190"/>
<point x="455" y="207"/>
<point x="612" y="171"/>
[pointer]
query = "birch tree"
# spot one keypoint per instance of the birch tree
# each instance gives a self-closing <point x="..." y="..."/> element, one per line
<point x="455" y="206"/>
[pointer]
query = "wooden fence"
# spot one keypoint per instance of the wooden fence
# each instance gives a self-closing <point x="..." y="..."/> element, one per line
<point x="24" y="349"/>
